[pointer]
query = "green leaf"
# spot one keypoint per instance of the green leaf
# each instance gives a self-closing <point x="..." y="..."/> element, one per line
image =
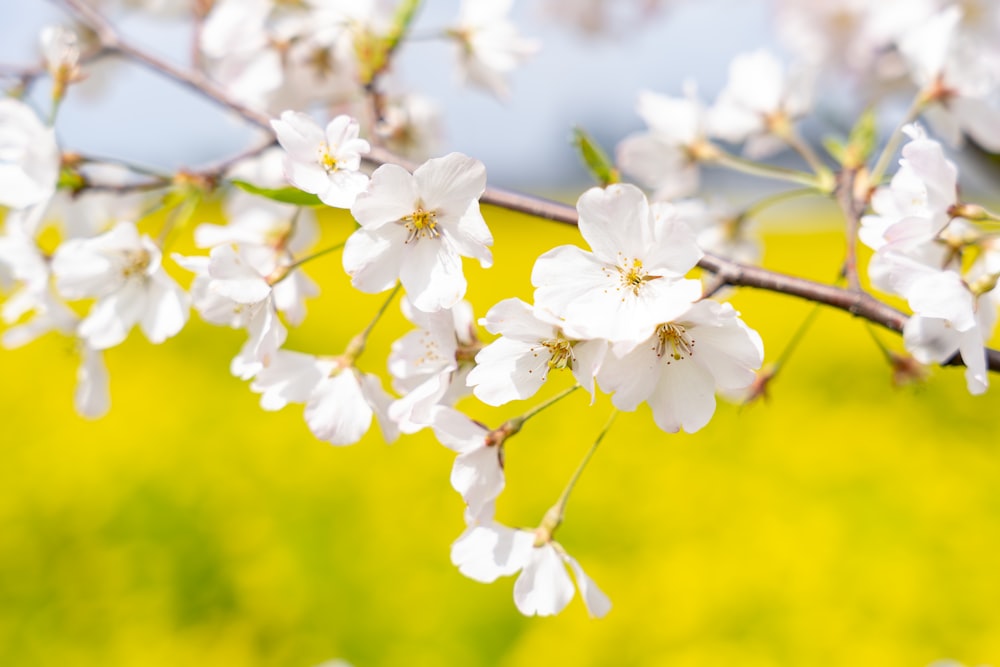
<point x="287" y="195"/>
<point x="835" y="147"/>
<point x="861" y="142"/>
<point x="596" y="160"/>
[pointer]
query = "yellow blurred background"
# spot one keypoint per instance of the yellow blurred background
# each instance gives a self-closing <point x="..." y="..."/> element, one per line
<point x="842" y="523"/>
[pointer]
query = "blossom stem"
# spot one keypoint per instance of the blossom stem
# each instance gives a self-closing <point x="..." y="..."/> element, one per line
<point x="892" y="145"/>
<point x="316" y="255"/>
<point x="756" y="207"/>
<point x="852" y="210"/>
<point x="549" y="403"/>
<point x="554" y="517"/>
<point x="797" y="338"/>
<point x="742" y="165"/>
<point x="357" y="345"/>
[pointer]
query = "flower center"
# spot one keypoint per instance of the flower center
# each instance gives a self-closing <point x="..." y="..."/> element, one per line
<point x="560" y="352"/>
<point x="326" y="159"/>
<point x="136" y="262"/>
<point x="674" y="341"/>
<point x="633" y="275"/>
<point x="421" y="224"/>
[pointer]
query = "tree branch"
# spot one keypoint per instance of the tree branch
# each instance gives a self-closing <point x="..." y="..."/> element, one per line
<point x="727" y="272"/>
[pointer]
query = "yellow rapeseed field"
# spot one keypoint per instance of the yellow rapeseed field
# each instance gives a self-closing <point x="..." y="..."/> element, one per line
<point x="843" y="523"/>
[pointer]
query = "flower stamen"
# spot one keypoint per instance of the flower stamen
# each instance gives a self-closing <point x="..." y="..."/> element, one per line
<point x="421" y="224"/>
<point x="674" y="340"/>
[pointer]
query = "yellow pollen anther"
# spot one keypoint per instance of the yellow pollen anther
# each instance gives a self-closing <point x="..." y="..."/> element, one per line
<point x="136" y="262"/>
<point x="673" y="340"/>
<point x="327" y="160"/>
<point x="560" y="351"/>
<point x="633" y="275"/>
<point x="421" y="224"/>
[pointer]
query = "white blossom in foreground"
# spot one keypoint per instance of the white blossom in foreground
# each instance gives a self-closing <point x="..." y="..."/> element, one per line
<point x="633" y="279"/>
<point x="323" y="162"/>
<point x="516" y="365"/>
<point x="416" y="228"/>
<point x="681" y="366"/>
<point x="340" y="400"/>
<point x="477" y="474"/>
<point x="29" y="156"/>
<point x="123" y="271"/>
<point x="664" y="157"/>
<point x="488" y="550"/>
<point x="759" y="103"/>
<point x="489" y="46"/>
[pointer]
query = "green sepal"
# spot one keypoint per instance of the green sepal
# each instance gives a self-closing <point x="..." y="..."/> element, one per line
<point x="594" y="158"/>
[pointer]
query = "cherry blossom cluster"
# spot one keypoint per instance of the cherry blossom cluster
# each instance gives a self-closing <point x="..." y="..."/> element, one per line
<point x="629" y="316"/>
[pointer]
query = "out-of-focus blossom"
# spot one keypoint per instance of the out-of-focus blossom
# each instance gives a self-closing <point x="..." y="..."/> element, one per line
<point x="29" y="156"/>
<point x="663" y="157"/>
<point x="490" y="47"/>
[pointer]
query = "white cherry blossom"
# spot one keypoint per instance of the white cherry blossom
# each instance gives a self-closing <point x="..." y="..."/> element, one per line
<point x="488" y="550"/>
<point x="962" y="81"/>
<point x="340" y="400"/>
<point x="323" y="162"/>
<point x="477" y="474"/>
<point x="759" y="101"/>
<point x="662" y="157"/>
<point x="681" y="366"/>
<point x="416" y="228"/>
<point x="29" y="156"/>
<point x="633" y="278"/>
<point x="429" y="365"/>
<point x="515" y="366"/>
<point x="489" y="45"/>
<point x="123" y="271"/>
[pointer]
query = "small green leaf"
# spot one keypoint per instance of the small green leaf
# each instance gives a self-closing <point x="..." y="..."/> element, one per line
<point x="596" y="160"/>
<point x="287" y="195"/>
<point x="861" y="142"/>
<point x="835" y="147"/>
<point x="71" y="179"/>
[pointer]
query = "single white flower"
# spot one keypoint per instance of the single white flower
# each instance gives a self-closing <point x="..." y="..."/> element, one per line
<point x="416" y="228"/>
<point x="429" y="365"/>
<point x="662" y="158"/>
<point x="123" y="271"/>
<point x="477" y="473"/>
<point x="758" y="103"/>
<point x="633" y="279"/>
<point x="61" y="53"/>
<point x="488" y="550"/>
<point x="29" y="156"/>
<point x="958" y="77"/>
<point x="489" y="45"/>
<point x="323" y="162"/>
<point x="681" y="366"/>
<point x="515" y="366"/>
<point x="340" y="400"/>
<point x="922" y="192"/>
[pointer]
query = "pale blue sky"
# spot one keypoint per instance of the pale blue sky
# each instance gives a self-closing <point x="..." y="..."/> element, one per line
<point x="523" y="141"/>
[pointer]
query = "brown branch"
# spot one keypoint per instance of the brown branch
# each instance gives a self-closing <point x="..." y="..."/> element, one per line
<point x="727" y="272"/>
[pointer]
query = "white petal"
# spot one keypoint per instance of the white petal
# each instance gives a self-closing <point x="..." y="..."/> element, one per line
<point x="337" y="411"/>
<point x="597" y="603"/>
<point x="544" y="587"/>
<point x="486" y="553"/>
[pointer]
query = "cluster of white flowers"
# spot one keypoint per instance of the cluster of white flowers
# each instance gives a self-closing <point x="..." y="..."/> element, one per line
<point x="623" y="317"/>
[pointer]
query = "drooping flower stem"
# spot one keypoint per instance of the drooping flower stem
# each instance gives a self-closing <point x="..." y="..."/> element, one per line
<point x="554" y="516"/>
<point x="762" y="170"/>
<point x="308" y="258"/>
<point x="357" y="344"/>
<point x="763" y="203"/>
<point x="892" y="145"/>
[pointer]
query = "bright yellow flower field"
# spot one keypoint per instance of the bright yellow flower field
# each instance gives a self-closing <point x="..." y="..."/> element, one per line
<point x="844" y="523"/>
